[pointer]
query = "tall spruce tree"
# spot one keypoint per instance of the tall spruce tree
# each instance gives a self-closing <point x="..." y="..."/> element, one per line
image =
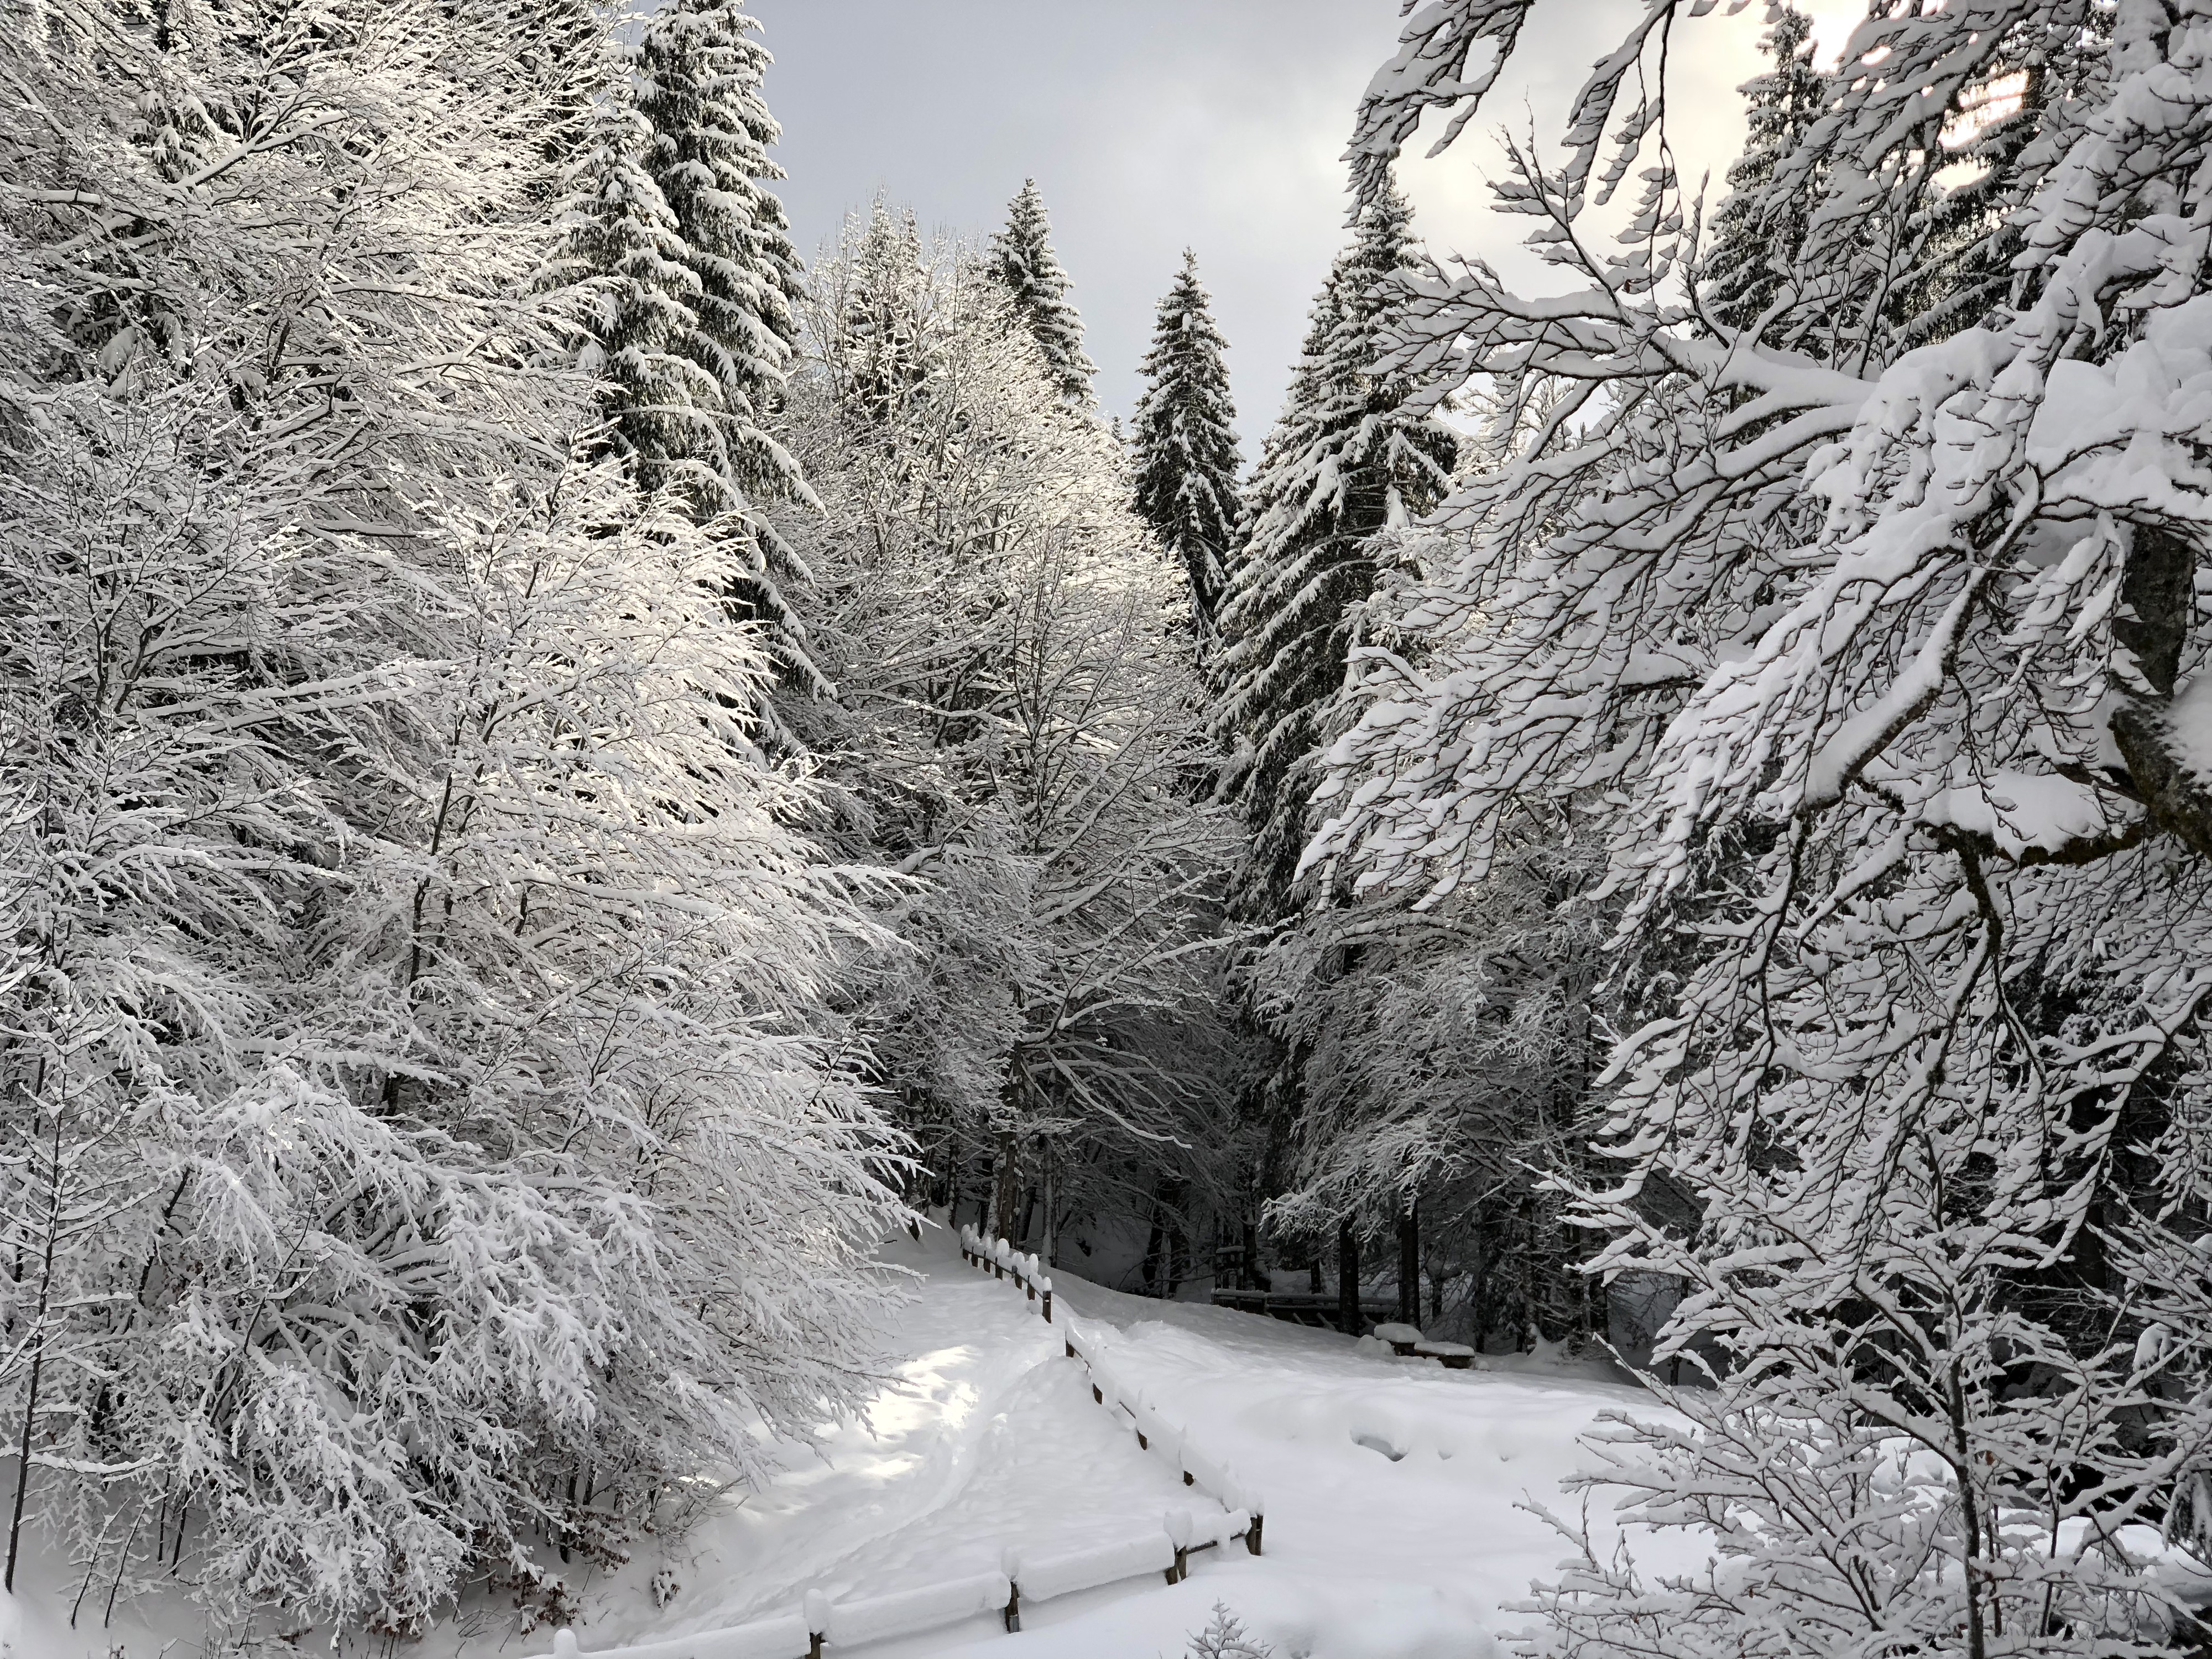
<point x="1342" y="464"/>
<point x="878" y="306"/>
<point x="1758" y="233"/>
<point x="665" y="412"/>
<point x="1022" y="260"/>
<point x="1186" y="458"/>
<point x="698" y="68"/>
<point x="699" y="72"/>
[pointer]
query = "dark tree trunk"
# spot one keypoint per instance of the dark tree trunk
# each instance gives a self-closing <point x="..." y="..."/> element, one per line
<point x="39" y="1346"/>
<point x="1051" y="1206"/>
<point x="1172" y="1196"/>
<point x="1480" y="1310"/>
<point x="1007" y="1188"/>
<point x="2158" y="593"/>
<point x="1409" y="1264"/>
<point x="1347" y="1280"/>
<point x="1155" y="1247"/>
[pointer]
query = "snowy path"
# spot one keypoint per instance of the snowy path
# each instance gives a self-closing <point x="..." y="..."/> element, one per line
<point x="987" y="1438"/>
<point x="1392" y="1530"/>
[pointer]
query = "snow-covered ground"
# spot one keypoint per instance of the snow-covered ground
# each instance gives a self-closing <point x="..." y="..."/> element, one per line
<point x="1391" y="1490"/>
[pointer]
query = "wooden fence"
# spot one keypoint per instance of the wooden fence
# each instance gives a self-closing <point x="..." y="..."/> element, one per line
<point x="1153" y="1431"/>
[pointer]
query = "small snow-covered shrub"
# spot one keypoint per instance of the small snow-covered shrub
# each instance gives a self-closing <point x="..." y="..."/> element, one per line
<point x="1225" y="1638"/>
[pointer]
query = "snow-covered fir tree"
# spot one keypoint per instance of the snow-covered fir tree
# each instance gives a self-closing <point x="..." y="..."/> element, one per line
<point x="1026" y="268"/>
<point x="1757" y="234"/>
<point x="1341" y="467"/>
<point x="698" y="68"/>
<point x="880" y="292"/>
<point x="684" y="107"/>
<point x="1183" y="446"/>
<point x="1225" y="1637"/>
<point x="666" y="419"/>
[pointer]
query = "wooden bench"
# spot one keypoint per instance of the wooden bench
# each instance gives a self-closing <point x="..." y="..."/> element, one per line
<point x="1453" y="1356"/>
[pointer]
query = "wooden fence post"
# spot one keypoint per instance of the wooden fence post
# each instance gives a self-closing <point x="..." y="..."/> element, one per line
<point x="1048" y="1313"/>
<point x="1014" y="1609"/>
<point x="1252" y="1534"/>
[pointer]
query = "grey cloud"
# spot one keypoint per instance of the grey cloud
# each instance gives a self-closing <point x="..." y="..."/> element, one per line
<point x="1154" y="125"/>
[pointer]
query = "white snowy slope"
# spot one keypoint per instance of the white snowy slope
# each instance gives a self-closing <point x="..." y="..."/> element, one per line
<point x="1390" y="1488"/>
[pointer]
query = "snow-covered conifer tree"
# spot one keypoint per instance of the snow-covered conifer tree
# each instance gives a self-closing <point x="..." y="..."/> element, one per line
<point x="1184" y="441"/>
<point x="666" y="417"/>
<point x="1224" y="1638"/>
<point x="880" y="293"/>
<point x="1023" y="261"/>
<point x="1757" y="234"/>
<point x="699" y="69"/>
<point x="1341" y="467"/>
<point x="695" y="329"/>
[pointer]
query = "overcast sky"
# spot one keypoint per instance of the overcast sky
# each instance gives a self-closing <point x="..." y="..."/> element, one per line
<point x="1154" y="125"/>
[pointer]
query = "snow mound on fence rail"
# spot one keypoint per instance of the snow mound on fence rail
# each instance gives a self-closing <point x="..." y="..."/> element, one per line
<point x="786" y="1638"/>
<point x="906" y="1613"/>
<point x="1044" y="1574"/>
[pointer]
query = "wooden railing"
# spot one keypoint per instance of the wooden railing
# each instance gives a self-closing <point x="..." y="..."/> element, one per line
<point x="1004" y="1260"/>
<point x="1153" y="1431"/>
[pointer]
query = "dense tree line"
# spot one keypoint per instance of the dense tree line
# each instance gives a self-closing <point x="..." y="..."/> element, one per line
<point x="565" y="773"/>
<point x="563" y="770"/>
<point x="430" y="1130"/>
